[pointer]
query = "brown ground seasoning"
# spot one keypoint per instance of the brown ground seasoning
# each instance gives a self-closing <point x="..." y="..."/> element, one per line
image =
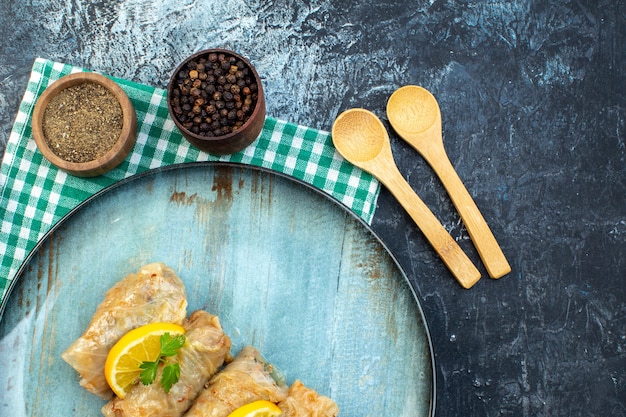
<point x="82" y="122"/>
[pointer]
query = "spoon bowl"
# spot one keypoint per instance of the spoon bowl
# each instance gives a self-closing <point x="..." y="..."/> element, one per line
<point x="360" y="135"/>
<point x="414" y="110"/>
<point x="414" y="114"/>
<point x="361" y="138"/>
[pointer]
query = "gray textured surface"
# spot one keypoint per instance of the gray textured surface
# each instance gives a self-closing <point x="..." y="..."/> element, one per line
<point x="533" y="101"/>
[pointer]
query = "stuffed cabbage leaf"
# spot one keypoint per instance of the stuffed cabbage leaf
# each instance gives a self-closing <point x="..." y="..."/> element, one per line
<point x="246" y="379"/>
<point x="203" y="353"/>
<point x="306" y="402"/>
<point x="154" y="294"/>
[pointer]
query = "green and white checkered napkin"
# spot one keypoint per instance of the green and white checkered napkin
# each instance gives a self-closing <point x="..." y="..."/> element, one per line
<point x="35" y="194"/>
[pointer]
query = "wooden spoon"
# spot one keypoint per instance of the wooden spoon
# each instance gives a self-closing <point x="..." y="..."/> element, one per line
<point x="414" y="114"/>
<point x="361" y="138"/>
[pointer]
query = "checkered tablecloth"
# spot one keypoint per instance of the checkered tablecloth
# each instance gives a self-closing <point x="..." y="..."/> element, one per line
<point x="34" y="194"/>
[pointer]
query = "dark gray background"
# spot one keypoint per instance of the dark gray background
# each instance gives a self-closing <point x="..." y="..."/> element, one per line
<point x="532" y="95"/>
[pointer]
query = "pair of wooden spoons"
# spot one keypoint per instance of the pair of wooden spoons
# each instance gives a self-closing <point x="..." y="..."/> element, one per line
<point x="361" y="138"/>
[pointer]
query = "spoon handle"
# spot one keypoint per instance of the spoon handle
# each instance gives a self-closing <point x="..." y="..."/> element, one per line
<point x="490" y="252"/>
<point x="446" y="247"/>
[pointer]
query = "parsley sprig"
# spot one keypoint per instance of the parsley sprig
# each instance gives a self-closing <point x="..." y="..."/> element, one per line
<point x="171" y="371"/>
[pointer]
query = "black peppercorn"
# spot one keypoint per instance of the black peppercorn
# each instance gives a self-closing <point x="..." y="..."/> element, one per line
<point x="215" y="94"/>
<point x="231" y="78"/>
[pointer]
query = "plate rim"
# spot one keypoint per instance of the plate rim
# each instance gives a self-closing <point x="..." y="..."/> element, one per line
<point x="237" y="165"/>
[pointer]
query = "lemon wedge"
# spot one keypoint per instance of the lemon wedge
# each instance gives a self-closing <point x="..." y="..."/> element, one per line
<point x="260" y="408"/>
<point x="139" y="345"/>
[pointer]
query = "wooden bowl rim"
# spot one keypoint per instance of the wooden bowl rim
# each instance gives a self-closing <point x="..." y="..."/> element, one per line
<point x="258" y="107"/>
<point x="121" y="147"/>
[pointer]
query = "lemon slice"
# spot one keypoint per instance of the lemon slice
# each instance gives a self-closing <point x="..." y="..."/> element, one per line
<point x="260" y="408"/>
<point x="142" y="344"/>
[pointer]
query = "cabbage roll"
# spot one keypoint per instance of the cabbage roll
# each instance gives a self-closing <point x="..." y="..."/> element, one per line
<point x="201" y="356"/>
<point x="154" y="294"/>
<point x="246" y="379"/>
<point x="305" y="402"/>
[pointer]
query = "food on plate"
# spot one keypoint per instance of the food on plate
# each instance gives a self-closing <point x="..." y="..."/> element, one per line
<point x="246" y="379"/>
<point x="203" y="353"/>
<point x="154" y="294"/>
<point x="141" y="346"/>
<point x="300" y="402"/>
<point x="305" y="402"/>
<point x="142" y="354"/>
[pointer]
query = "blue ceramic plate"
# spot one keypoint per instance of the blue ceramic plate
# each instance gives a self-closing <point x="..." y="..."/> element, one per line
<point x="286" y="268"/>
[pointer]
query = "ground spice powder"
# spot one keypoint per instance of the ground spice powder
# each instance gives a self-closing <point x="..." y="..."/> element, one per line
<point x="82" y="122"/>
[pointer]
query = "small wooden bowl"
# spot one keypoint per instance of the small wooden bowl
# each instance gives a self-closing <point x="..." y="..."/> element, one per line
<point x="120" y="149"/>
<point x="231" y="142"/>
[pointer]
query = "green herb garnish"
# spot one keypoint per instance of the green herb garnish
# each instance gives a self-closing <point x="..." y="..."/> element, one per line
<point x="171" y="370"/>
